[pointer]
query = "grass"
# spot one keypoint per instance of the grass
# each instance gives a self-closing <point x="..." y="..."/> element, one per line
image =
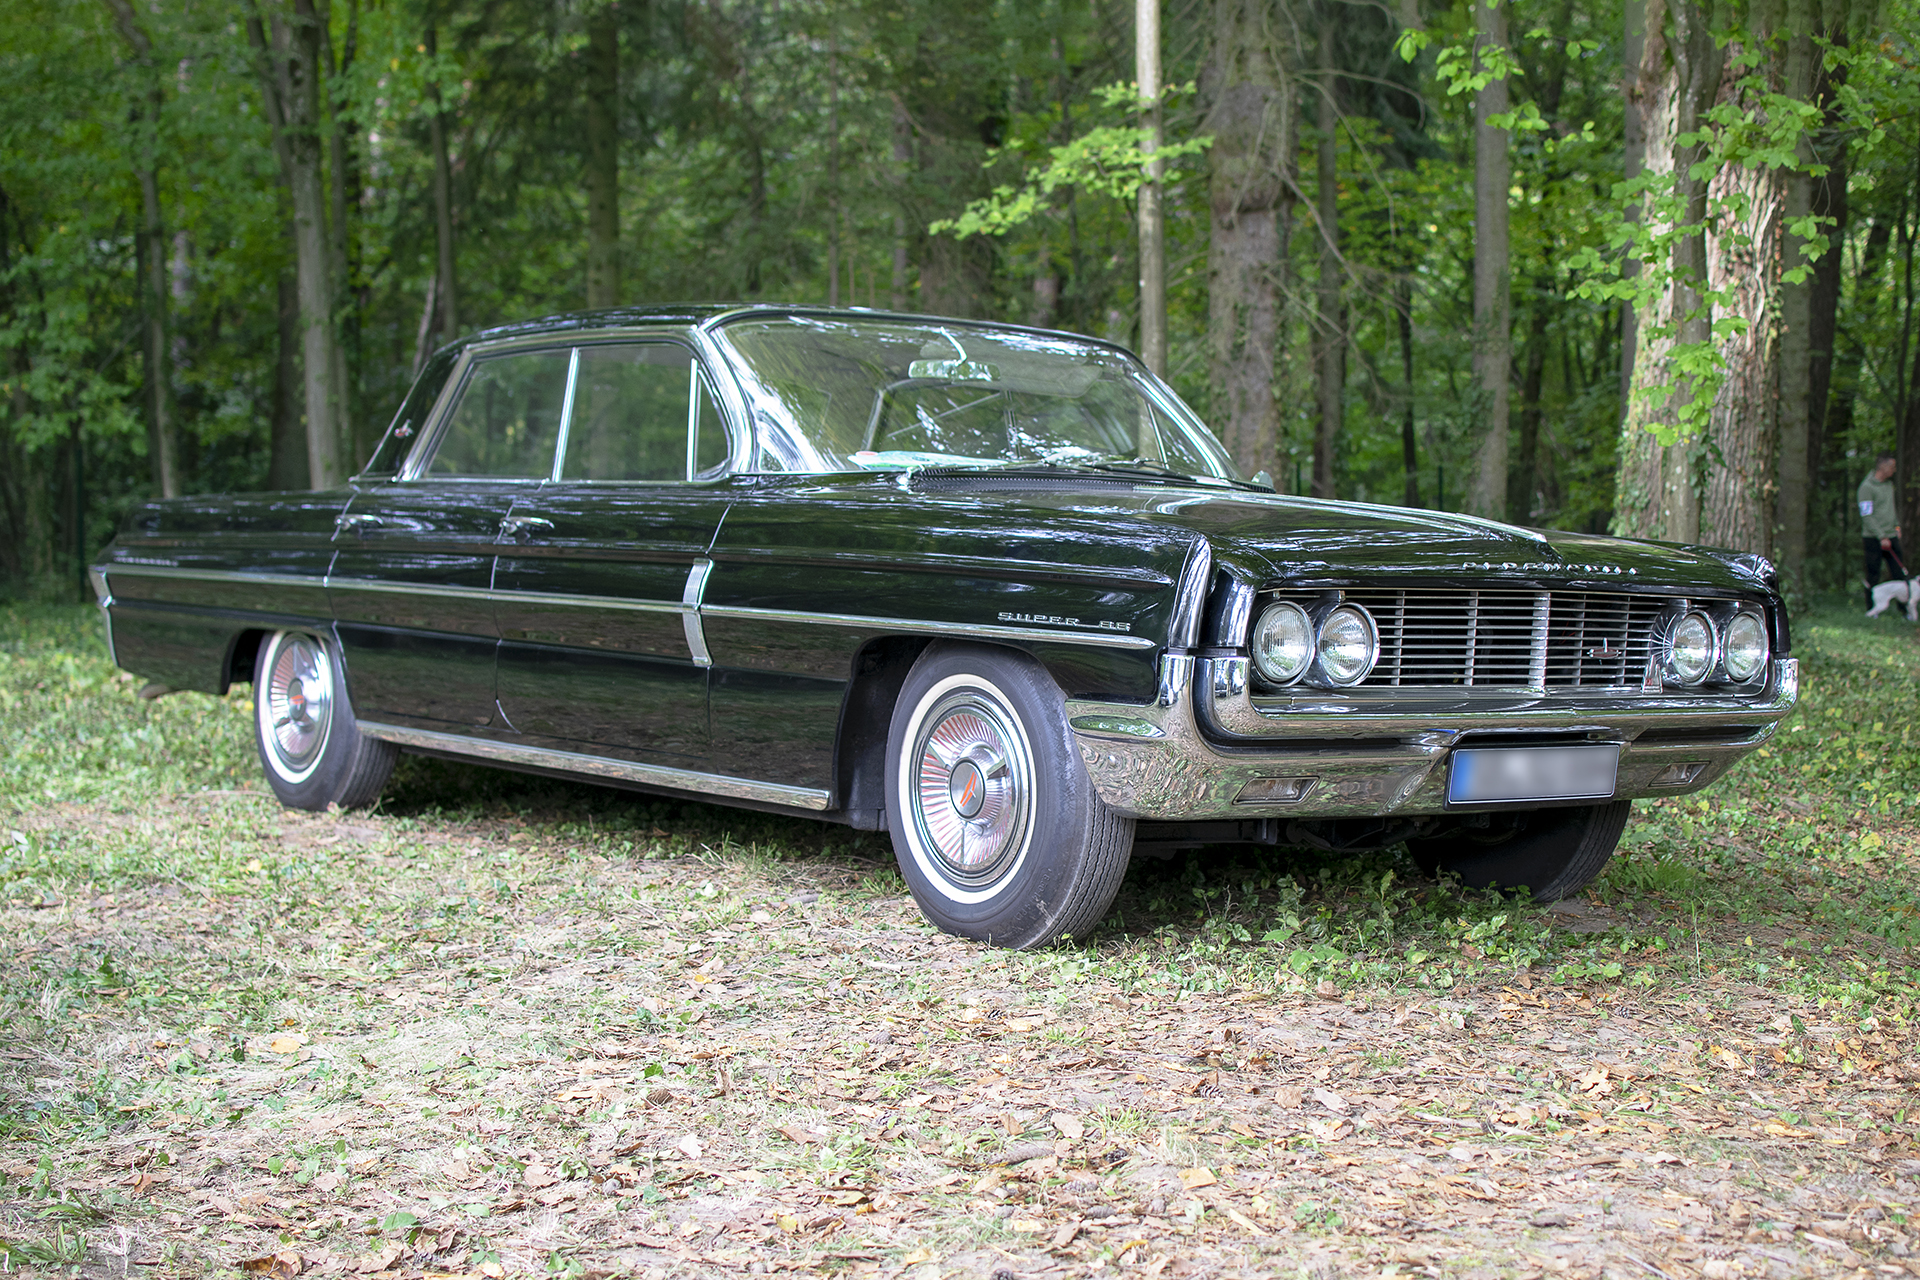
<point x="510" y="1023"/>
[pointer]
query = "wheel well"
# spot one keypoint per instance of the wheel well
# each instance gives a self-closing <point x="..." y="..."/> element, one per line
<point x="241" y="655"/>
<point x="860" y="752"/>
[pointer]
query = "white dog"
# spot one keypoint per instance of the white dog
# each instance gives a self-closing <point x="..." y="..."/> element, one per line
<point x="1904" y="590"/>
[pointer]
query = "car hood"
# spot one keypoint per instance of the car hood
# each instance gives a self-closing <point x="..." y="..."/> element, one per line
<point x="1266" y="537"/>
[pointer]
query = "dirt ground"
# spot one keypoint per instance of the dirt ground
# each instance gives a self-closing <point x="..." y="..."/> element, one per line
<point x="493" y="1047"/>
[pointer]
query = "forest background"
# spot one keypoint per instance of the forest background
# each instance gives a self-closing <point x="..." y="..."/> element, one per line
<point x="1633" y="265"/>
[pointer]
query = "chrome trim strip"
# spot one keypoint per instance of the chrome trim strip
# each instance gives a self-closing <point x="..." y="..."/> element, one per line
<point x="103" y="596"/>
<point x="690" y="612"/>
<point x="913" y="625"/>
<point x="1235" y="716"/>
<point x="214" y="575"/>
<point x="712" y="784"/>
<point x="558" y="599"/>
<point x="566" y="414"/>
<point x="379" y="587"/>
<point x="1190" y="597"/>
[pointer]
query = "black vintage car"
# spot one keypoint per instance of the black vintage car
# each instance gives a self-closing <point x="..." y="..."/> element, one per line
<point x="995" y="590"/>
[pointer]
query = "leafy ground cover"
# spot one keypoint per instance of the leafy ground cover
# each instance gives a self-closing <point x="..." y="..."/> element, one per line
<point x="503" y="1026"/>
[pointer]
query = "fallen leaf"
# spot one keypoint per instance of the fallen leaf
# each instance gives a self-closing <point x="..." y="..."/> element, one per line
<point x="1069" y="1126"/>
<point x="327" y="1182"/>
<point x="688" y="1146"/>
<point x="788" y="1223"/>
<point x="1027" y="1226"/>
<point x="1199" y="1176"/>
<point x="274" y="1264"/>
<point x="1328" y="989"/>
<point x="917" y="1257"/>
<point x="1330" y="1100"/>
<point x="1287" y="1096"/>
<point x="846" y="1197"/>
<point x="286" y="1044"/>
<point x="799" y="1137"/>
<point x="1064" y="1236"/>
<point x="1244" y="1220"/>
<point x="538" y="1175"/>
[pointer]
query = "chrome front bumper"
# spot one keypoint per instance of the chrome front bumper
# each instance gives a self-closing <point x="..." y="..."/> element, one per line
<point x="1206" y="736"/>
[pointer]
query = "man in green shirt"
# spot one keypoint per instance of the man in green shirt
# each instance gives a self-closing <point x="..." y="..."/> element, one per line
<point x="1880" y="523"/>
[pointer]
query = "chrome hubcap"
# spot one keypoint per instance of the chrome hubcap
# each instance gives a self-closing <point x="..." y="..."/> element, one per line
<point x="297" y="704"/>
<point x="974" y="788"/>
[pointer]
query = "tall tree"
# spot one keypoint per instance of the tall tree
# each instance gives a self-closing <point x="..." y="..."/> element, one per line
<point x="1330" y="320"/>
<point x="1251" y="214"/>
<point x="1680" y="73"/>
<point x="149" y="102"/>
<point x="1492" y="265"/>
<point x="287" y="45"/>
<point x="1796" y="344"/>
<point x="445" y="286"/>
<point x="1153" y="231"/>
<point x="603" y="157"/>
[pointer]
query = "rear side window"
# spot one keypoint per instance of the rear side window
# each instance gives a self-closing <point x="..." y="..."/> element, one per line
<point x="506" y="422"/>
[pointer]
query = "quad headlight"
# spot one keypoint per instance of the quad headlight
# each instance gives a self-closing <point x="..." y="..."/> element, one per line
<point x="1348" y="645"/>
<point x="1692" y="647"/>
<point x="1745" y="647"/>
<point x="1282" y="643"/>
<point x="1339" y="650"/>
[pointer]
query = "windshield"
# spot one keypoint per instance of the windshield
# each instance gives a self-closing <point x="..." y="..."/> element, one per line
<point x="836" y="394"/>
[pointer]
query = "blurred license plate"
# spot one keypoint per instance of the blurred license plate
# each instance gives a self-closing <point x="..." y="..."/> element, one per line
<point x="1484" y="775"/>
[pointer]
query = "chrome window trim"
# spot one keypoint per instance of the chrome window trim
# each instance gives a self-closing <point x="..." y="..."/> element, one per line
<point x="566" y="415"/>
<point x="712" y="784"/>
<point x="695" y="339"/>
<point x="864" y="622"/>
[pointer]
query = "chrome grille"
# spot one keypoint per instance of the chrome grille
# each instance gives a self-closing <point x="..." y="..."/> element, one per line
<point x="1506" y="638"/>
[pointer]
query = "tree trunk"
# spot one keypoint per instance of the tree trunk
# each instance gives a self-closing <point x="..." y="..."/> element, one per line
<point x="342" y="181"/>
<point x="1633" y="160"/>
<point x="1655" y="492"/>
<point x="1492" y="339"/>
<point x="1524" y="475"/>
<point x="287" y="447"/>
<point x="1153" y="231"/>
<point x="902" y="158"/>
<point x="445" y="286"/>
<point x="1794" y="401"/>
<point x="1409" y="452"/>
<point x="1330" y="321"/>
<point x="603" y="158"/>
<point x="152" y="256"/>
<point x="288" y="46"/>
<point x="1248" y="121"/>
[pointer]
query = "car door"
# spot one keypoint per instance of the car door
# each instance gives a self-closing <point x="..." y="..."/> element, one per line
<point x="412" y="583"/>
<point x="595" y="592"/>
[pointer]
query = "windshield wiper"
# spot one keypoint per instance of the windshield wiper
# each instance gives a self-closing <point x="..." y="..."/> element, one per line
<point x="1144" y="467"/>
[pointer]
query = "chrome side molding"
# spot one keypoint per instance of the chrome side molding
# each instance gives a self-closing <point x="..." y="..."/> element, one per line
<point x="709" y="784"/>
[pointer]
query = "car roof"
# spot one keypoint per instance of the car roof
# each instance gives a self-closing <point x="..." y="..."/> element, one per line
<point x="704" y="313"/>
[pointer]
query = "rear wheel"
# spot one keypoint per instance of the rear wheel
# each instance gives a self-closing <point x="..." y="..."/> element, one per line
<point x="1555" y="853"/>
<point x="995" y="824"/>
<point x="313" y="752"/>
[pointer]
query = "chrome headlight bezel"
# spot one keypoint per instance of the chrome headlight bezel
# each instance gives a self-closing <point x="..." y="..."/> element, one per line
<point x="1685" y="675"/>
<point x="1279" y="614"/>
<point x="1370" y="640"/>
<point x="1744" y="617"/>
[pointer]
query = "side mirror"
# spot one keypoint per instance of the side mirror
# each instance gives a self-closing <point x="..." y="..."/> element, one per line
<point x="1264" y="479"/>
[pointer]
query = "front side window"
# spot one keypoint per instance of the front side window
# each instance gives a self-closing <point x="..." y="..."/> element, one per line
<point x="506" y="421"/>
<point x="837" y="394"/>
<point x="642" y="411"/>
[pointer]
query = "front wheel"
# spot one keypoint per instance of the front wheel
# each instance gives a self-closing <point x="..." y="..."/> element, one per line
<point x="995" y="824"/>
<point x="313" y="752"/>
<point x="1555" y="853"/>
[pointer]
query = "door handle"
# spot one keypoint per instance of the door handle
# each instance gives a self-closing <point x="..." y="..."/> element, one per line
<point x="359" y="524"/>
<point x="520" y="526"/>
